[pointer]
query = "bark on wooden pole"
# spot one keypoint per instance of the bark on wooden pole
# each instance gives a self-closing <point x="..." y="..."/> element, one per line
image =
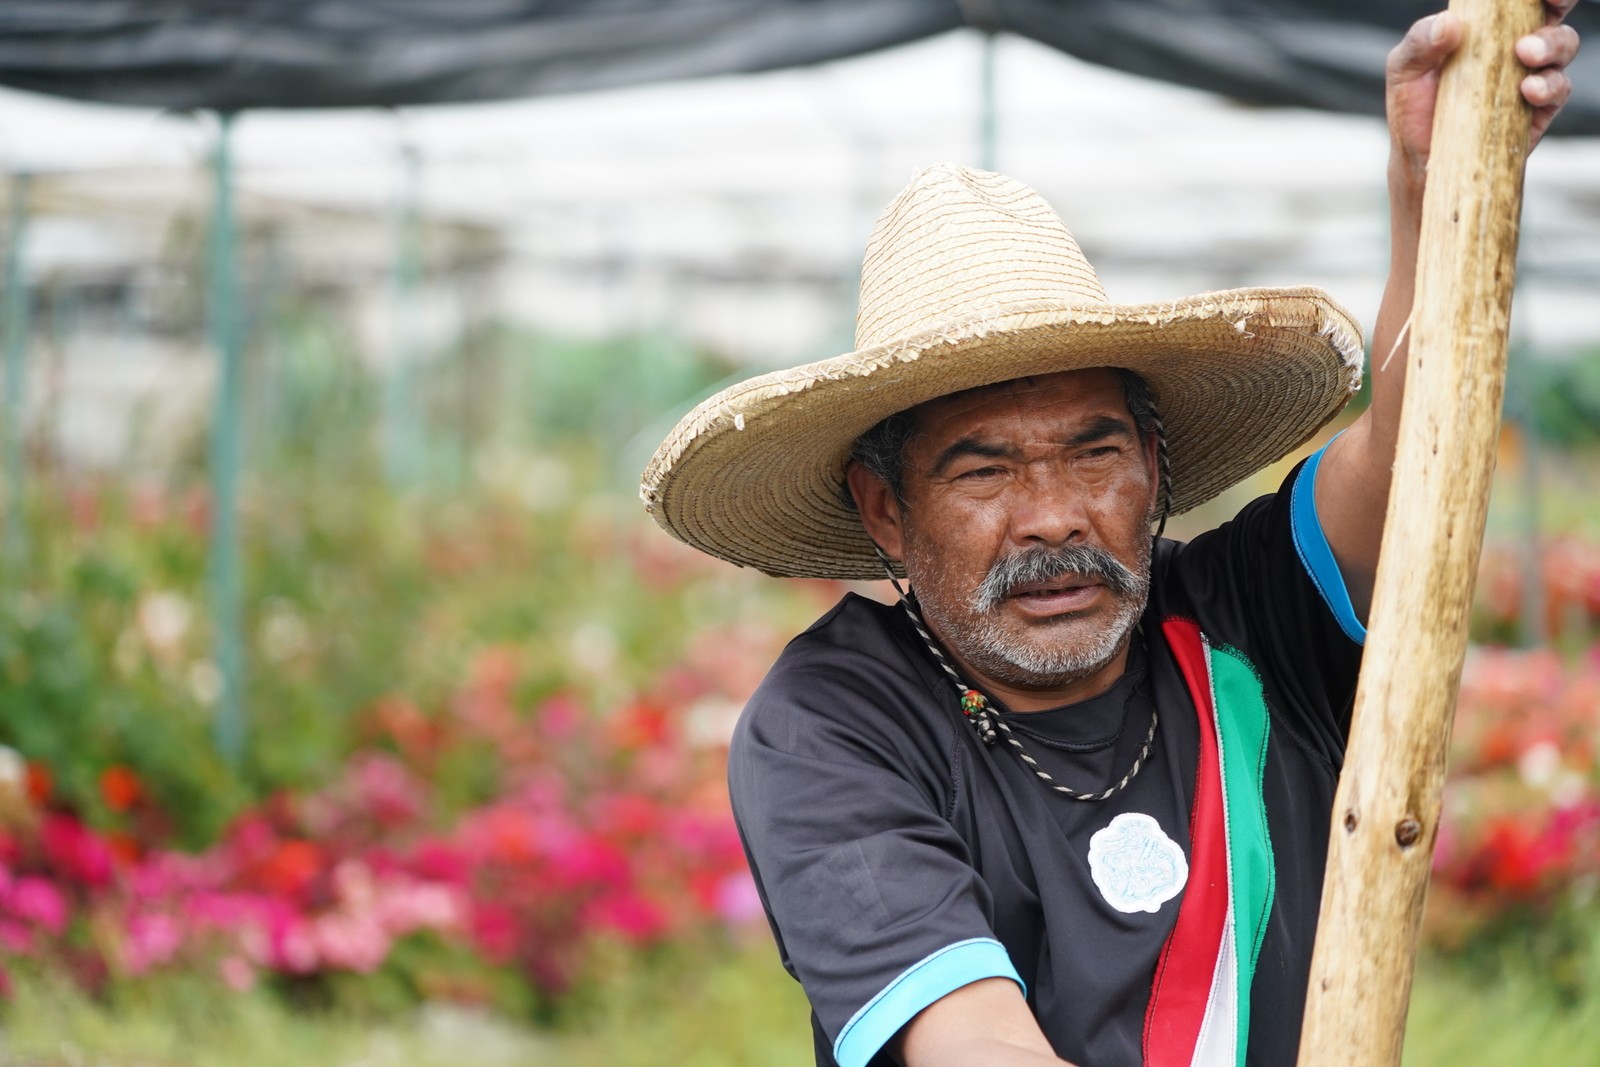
<point x="1386" y="812"/>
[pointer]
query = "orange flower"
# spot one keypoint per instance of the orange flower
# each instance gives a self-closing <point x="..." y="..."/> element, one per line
<point x="120" y="787"/>
<point x="41" y="783"/>
<point x="125" y="847"/>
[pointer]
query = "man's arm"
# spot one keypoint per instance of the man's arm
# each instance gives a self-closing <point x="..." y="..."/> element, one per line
<point x="986" y="1023"/>
<point x="1352" y="488"/>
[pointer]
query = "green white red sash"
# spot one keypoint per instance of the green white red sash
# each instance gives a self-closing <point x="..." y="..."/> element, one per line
<point x="1199" y="1014"/>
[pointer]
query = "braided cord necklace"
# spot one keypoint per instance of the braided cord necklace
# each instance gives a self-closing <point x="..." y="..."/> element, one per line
<point x="988" y="722"/>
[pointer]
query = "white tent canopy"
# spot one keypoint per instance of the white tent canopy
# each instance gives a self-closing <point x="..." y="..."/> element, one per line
<point x="733" y="209"/>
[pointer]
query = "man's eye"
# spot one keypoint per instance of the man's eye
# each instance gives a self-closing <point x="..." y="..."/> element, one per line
<point x="980" y="473"/>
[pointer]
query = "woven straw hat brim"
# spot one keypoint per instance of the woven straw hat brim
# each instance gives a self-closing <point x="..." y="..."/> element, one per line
<point x="1241" y="378"/>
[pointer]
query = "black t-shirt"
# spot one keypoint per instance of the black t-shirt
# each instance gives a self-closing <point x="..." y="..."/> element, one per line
<point x="899" y="858"/>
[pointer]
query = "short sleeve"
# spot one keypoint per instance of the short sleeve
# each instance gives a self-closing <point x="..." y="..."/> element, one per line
<point x="872" y="894"/>
<point x="1267" y="583"/>
<point x="1316" y="555"/>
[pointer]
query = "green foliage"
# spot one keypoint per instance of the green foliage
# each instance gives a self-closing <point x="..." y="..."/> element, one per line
<point x="707" y="1008"/>
<point x="703" y="1007"/>
<point x="354" y="592"/>
<point x="74" y="699"/>
<point x="1560" y="398"/>
<point x="1487" y="1017"/>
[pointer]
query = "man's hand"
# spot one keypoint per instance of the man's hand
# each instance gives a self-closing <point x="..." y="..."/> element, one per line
<point x="1413" y="78"/>
<point x="1352" y="488"/>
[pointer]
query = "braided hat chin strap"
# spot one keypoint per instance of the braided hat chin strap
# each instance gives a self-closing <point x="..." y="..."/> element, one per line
<point x="987" y="722"/>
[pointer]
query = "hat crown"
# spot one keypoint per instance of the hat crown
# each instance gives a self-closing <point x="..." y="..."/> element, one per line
<point x="961" y="245"/>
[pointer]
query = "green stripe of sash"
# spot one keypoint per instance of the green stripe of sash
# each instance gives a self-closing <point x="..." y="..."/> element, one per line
<point x="1242" y="729"/>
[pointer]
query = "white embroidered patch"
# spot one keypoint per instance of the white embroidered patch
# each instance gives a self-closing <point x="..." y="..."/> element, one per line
<point x="1135" y="864"/>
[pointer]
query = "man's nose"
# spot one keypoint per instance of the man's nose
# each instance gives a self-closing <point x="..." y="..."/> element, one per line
<point x="1049" y="511"/>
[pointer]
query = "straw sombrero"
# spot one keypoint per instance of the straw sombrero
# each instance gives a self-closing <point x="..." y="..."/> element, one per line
<point x="970" y="278"/>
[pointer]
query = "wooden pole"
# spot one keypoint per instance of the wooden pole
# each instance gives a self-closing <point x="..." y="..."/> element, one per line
<point x="1386" y="812"/>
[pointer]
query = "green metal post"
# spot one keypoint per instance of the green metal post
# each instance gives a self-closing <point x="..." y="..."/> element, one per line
<point x="229" y="725"/>
<point x="1521" y="409"/>
<point x="401" y="423"/>
<point x="1535" y="631"/>
<point x="988" y="116"/>
<point x="16" y="344"/>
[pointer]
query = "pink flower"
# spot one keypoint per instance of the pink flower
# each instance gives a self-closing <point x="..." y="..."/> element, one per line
<point x="560" y="718"/>
<point x="350" y="942"/>
<point x="495" y="931"/>
<point x="37" y="900"/>
<point x="404" y="906"/>
<point x="589" y="860"/>
<point x="441" y="861"/>
<point x="74" y="851"/>
<point x="153" y="939"/>
<point x="638" y="920"/>
<point x="293" y="946"/>
<point x="737" y="900"/>
<point x="386" y="791"/>
<point x="16" y="938"/>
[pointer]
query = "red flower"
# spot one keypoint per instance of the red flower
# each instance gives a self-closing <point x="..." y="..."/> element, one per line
<point x="639" y="726"/>
<point x="125" y="847"/>
<point x="629" y="816"/>
<point x="41" y="783"/>
<point x="638" y="920"/>
<point x="441" y="861"/>
<point x="291" y="868"/>
<point x="494" y="931"/>
<point x="120" y="787"/>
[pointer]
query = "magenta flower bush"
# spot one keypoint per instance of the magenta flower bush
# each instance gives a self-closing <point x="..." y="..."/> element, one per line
<point x="603" y="829"/>
<point x="1519" y="844"/>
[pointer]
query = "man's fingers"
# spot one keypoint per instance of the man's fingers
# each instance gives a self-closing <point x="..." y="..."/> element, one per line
<point x="1424" y="46"/>
<point x="1551" y="46"/>
<point x="1547" y="90"/>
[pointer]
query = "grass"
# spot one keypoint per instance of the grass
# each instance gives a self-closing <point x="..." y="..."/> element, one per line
<point x="734" y="1011"/>
<point x="738" y="1011"/>
<point x="1465" y="1019"/>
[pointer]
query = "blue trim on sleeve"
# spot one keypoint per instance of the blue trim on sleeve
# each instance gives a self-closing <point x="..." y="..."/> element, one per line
<point x="1316" y="555"/>
<point x="919" y="985"/>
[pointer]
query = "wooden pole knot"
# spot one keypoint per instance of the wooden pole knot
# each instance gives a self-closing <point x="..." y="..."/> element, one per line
<point x="1408" y="831"/>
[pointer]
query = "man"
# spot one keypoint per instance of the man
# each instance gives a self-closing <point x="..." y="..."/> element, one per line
<point x="1071" y="804"/>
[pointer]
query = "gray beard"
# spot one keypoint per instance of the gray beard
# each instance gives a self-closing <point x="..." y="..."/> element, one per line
<point x="980" y="639"/>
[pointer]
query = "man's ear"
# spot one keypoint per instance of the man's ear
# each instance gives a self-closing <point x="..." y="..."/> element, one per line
<point x="879" y="508"/>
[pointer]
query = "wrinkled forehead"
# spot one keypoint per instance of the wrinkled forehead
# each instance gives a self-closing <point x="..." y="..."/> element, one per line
<point x="1021" y="395"/>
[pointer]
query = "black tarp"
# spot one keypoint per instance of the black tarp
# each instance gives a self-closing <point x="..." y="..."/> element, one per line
<point x="239" y="54"/>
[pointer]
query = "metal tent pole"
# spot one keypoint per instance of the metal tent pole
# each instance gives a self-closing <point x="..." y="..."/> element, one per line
<point x="228" y="725"/>
<point x="401" y="425"/>
<point x="988" y="114"/>
<point x="1534" y="631"/>
<point x="16" y="347"/>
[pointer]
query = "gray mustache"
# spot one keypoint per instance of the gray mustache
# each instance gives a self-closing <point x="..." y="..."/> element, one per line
<point x="1041" y="563"/>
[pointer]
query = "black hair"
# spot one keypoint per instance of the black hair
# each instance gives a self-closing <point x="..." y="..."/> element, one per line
<point x="882" y="449"/>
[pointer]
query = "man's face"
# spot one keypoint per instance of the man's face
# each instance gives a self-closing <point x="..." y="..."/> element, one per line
<point x="1025" y="530"/>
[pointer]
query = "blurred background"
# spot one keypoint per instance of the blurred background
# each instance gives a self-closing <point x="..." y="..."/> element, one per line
<point x="352" y="711"/>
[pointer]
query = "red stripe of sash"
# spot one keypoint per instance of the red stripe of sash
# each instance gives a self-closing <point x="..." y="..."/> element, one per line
<point x="1188" y="961"/>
